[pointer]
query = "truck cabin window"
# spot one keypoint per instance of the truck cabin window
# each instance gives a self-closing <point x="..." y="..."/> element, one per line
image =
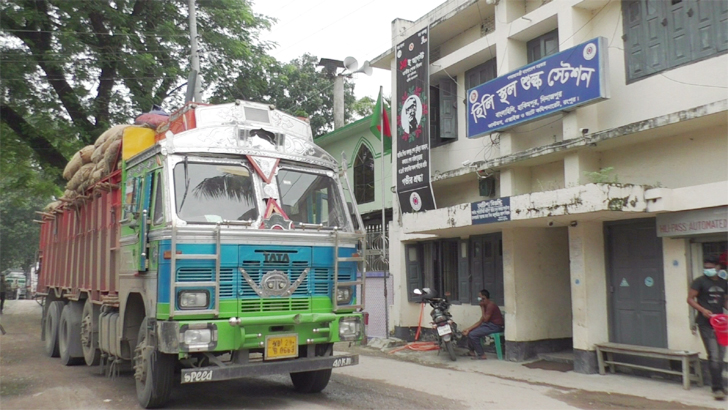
<point x="311" y="198"/>
<point x="210" y="193"/>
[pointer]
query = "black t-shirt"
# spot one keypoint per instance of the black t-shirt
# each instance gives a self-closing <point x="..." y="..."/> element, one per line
<point x="711" y="295"/>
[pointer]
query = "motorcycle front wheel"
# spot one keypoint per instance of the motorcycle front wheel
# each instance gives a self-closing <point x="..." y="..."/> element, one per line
<point x="450" y="346"/>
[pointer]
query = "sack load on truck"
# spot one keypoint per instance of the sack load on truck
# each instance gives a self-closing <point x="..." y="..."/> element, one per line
<point x="218" y="240"/>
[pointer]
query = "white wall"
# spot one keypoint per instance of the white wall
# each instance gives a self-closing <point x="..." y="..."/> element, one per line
<point x="689" y="159"/>
<point x="536" y="283"/>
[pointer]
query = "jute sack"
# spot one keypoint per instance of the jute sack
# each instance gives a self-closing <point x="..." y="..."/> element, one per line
<point x="80" y="176"/>
<point x="52" y="206"/>
<point x="86" y="153"/>
<point x="112" y="151"/>
<point x="73" y="166"/>
<point x="116" y="129"/>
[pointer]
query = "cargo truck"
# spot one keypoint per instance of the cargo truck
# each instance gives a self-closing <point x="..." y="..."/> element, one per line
<point x="225" y="245"/>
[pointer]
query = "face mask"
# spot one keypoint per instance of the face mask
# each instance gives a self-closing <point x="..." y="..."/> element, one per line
<point x="479" y="298"/>
<point x="710" y="272"/>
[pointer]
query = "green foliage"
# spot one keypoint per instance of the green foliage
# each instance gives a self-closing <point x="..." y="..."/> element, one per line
<point x="295" y="87"/>
<point x="364" y="106"/>
<point x="603" y="176"/>
<point x="71" y="68"/>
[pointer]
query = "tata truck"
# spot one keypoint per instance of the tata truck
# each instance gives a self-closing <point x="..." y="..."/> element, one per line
<point x="224" y="246"/>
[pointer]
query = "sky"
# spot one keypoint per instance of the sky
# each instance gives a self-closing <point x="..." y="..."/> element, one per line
<point x="337" y="29"/>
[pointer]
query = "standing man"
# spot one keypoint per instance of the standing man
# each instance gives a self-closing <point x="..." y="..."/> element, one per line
<point x="708" y="295"/>
<point x="491" y="321"/>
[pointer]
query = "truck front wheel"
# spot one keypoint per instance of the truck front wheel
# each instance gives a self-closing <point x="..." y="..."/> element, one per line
<point x="316" y="380"/>
<point x="52" y="318"/>
<point x="153" y="371"/>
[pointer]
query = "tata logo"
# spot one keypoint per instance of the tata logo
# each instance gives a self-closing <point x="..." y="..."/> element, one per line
<point x="276" y="257"/>
<point x="275" y="283"/>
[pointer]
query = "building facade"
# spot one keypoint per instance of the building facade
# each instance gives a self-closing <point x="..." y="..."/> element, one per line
<point x="363" y="153"/>
<point x="587" y="223"/>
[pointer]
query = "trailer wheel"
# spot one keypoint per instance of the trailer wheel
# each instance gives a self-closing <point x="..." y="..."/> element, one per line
<point x="69" y="334"/>
<point x="53" y="316"/>
<point x="90" y="333"/>
<point x="313" y="381"/>
<point x="153" y="371"/>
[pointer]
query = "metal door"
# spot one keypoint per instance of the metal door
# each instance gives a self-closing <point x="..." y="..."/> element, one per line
<point x="486" y="266"/>
<point x="636" y="283"/>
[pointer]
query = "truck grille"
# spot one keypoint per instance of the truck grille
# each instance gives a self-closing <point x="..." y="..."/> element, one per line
<point x="256" y="270"/>
<point x="275" y="305"/>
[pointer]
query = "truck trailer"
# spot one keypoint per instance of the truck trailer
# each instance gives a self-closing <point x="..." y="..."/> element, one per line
<point x="223" y="245"/>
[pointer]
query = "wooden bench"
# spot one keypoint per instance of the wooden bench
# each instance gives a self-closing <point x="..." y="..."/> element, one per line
<point x="688" y="360"/>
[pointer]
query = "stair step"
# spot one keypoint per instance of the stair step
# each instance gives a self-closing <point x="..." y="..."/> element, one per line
<point x="558" y="357"/>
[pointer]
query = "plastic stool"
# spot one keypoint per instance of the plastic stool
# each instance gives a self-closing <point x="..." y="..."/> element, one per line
<point x="498" y="346"/>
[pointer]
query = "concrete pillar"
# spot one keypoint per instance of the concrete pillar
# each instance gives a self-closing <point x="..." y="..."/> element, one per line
<point x="537" y="292"/>
<point x="338" y="102"/>
<point x="515" y="181"/>
<point x="588" y="293"/>
<point x="577" y="163"/>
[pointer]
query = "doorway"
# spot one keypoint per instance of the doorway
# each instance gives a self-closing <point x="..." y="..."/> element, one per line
<point x="486" y="267"/>
<point x="636" y="284"/>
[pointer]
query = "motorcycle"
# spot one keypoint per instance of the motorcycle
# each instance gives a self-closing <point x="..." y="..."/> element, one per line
<point x="446" y="330"/>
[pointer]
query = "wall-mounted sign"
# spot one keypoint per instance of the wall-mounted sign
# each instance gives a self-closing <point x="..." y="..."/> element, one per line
<point x="696" y="222"/>
<point x="413" y="125"/>
<point x="494" y="210"/>
<point x="560" y="82"/>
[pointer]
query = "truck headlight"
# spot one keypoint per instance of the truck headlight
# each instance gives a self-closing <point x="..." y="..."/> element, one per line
<point x="343" y="295"/>
<point x="193" y="299"/>
<point x="197" y="337"/>
<point x="349" y="328"/>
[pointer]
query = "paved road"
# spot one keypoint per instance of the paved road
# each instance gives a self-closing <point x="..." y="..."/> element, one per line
<point x="30" y="380"/>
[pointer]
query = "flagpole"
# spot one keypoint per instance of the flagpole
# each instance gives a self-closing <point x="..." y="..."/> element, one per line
<point x="385" y="242"/>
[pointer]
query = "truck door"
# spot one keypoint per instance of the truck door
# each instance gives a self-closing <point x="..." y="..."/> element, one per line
<point x="144" y="221"/>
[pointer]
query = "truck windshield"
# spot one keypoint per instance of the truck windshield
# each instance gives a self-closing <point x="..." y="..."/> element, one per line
<point x="214" y="192"/>
<point x="311" y="198"/>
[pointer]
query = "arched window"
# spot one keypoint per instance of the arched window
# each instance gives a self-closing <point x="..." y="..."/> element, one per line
<point x="364" y="175"/>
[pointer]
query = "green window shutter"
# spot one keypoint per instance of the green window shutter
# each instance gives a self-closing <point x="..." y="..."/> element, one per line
<point x="448" y="109"/>
<point x="678" y="32"/>
<point x="653" y="14"/>
<point x="702" y="17"/>
<point x="721" y="24"/>
<point x="413" y="255"/>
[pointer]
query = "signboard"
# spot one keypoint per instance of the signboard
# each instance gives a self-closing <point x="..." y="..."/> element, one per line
<point x="696" y="222"/>
<point x="413" y="126"/>
<point x="560" y="82"/>
<point x="494" y="210"/>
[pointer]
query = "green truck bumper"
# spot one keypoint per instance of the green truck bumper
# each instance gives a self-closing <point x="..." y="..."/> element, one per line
<point x="220" y="335"/>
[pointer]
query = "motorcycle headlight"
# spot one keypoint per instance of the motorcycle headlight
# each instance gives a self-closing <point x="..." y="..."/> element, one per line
<point x="193" y="299"/>
<point x="343" y="294"/>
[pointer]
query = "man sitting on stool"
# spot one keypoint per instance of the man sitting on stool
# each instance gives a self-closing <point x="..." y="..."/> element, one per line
<point x="491" y="321"/>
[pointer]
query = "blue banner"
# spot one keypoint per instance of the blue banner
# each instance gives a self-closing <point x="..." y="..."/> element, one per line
<point x="560" y="82"/>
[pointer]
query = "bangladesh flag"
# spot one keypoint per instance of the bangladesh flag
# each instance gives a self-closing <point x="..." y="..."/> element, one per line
<point x="379" y="118"/>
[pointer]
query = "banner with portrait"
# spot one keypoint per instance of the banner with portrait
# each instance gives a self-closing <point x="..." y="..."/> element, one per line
<point x="413" y="129"/>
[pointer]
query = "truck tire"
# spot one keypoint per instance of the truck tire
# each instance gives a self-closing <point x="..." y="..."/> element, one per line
<point x="52" y="318"/>
<point x="153" y="371"/>
<point x="312" y="381"/>
<point x="69" y="334"/>
<point x="90" y="333"/>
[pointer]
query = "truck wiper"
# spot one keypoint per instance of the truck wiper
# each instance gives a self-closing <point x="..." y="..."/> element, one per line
<point x="187" y="186"/>
<point x="317" y="227"/>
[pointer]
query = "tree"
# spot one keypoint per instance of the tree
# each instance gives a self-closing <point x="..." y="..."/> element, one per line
<point x="71" y="68"/>
<point x="364" y="106"/>
<point x="295" y="87"/>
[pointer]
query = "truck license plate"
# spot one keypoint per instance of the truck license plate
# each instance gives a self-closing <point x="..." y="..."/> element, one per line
<point x="444" y="330"/>
<point x="281" y="347"/>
